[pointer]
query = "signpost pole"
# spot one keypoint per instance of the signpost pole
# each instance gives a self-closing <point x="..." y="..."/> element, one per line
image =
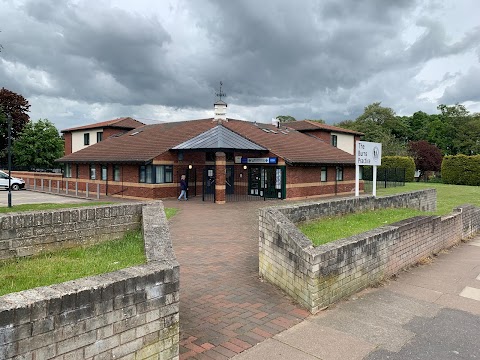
<point x="357" y="180"/>
<point x="374" y="191"/>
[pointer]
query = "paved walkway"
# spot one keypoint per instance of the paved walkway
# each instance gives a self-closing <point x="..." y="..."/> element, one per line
<point x="428" y="312"/>
<point x="224" y="307"/>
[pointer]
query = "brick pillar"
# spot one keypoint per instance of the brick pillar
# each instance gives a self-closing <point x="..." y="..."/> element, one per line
<point x="220" y="177"/>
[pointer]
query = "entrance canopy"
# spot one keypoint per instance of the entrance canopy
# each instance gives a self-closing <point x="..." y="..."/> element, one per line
<point x="219" y="138"/>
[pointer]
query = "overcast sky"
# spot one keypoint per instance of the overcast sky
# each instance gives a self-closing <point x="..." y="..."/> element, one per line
<point x="83" y="61"/>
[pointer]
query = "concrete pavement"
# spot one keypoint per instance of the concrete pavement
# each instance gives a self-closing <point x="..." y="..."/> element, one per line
<point x="430" y="311"/>
<point x="33" y="197"/>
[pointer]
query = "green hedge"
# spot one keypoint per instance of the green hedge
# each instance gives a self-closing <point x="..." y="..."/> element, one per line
<point x="461" y="170"/>
<point x="402" y="162"/>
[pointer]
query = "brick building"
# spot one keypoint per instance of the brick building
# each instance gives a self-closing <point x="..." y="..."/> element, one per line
<point x="78" y="138"/>
<point x="222" y="158"/>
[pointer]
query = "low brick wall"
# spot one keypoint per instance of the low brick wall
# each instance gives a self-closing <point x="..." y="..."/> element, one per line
<point x="30" y="233"/>
<point x="132" y="313"/>
<point x="319" y="276"/>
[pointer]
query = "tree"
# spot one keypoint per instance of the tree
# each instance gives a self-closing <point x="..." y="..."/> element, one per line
<point x="427" y="157"/>
<point x="38" y="145"/>
<point x="380" y="124"/>
<point x="17" y="106"/>
<point x="285" y="118"/>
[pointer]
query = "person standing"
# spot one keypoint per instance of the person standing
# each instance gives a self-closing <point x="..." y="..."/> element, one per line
<point x="183" y="188"/>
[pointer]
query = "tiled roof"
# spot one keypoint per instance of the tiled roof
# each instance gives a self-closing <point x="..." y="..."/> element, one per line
<point x="147" y="142"/>
<point x="291" y="145"/>
<point x="124" y="122"/>
<point x="305" y="125"/>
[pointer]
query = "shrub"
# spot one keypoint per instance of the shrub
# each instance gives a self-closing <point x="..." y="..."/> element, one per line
<point x="402" y="162"/>
<point x="461" y="170"/>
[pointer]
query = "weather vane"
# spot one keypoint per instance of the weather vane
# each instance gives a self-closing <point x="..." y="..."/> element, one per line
<point x="220" y="93"/>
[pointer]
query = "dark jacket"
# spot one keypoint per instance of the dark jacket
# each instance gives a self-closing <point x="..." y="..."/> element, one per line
<point x="183" y="185"/>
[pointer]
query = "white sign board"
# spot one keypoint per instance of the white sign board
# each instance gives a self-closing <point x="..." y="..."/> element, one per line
<point x="368" y="153"/>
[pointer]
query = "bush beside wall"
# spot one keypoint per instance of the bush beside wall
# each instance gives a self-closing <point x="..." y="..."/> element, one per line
<point x="400" y="162"/>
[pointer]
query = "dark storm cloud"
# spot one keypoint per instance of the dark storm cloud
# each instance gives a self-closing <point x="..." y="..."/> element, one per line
<point x="304" y="56"/>
<point x="82" y="47"/>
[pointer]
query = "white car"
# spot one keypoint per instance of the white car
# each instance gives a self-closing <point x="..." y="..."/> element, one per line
<point x="15" y="183"/>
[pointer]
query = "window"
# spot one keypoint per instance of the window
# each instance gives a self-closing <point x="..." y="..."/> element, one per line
<point x="92" y="172"/>
<point x="334" y="140"/>
<point x="156" y="174"/>
<point x="168" y="174"/>
<point x="68" y="170"/>
<point x="77" y="171"/>
<point x="148" y="174"/>
<point x="99" y="136"/>
<point x="323" y="173"/>
<point x="104" y="172"/>
<point x="116" y="172"/>
<point x="360" y="173"/>
<point x="339" y="173"/>
<point x="86" y="139"/>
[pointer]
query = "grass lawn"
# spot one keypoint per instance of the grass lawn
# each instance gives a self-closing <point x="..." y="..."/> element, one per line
<point x="448" y="196"/>
<point x="56" y="267"/>
<point x="53" y="268"/>
<point x="333" y="228"/>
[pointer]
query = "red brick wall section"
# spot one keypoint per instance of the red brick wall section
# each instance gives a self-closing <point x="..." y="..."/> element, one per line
<point x="305" y="182"/>
<point x="68" y="143"/>
<point x="220" y="177"/>
<point x="321" y="134"/>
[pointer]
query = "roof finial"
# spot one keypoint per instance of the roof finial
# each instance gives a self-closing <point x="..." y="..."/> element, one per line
<point x="220" y="93"/>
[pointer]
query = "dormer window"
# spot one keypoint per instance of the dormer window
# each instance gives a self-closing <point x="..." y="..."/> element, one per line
<point x="99" y="136"/>
<point x="86" y="139"/>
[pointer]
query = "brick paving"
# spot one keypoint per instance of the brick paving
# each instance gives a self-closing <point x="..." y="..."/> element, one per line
<point x="224" y="307"/>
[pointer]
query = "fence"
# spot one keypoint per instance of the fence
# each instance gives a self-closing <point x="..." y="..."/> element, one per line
<point x="63" y="187"/>
<point x="386" y="177"/>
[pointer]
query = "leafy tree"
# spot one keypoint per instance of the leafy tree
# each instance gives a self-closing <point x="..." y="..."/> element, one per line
<point x="285" y="118"/>
<point x="38" y="145"/>
<point x="380" y="124"/>
<point x="427" y="157"/>
<point x="17" y="106"/>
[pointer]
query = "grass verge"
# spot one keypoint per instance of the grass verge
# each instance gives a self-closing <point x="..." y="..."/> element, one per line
<point x="56" y="267"/>
<point x="448" y="196"/>
<point x="53" y="268"/>
<point x="334" y="228"/>
<point x="338" y="227"/>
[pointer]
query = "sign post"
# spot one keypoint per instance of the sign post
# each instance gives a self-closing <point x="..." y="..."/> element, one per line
<point x="367" y="153"/>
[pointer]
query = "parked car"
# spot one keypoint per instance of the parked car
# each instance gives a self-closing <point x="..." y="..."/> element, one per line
<point x="15" y="183"/>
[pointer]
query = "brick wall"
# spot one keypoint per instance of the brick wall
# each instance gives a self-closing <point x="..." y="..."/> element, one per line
<point x="319" y="276"/>
<point x="127" y="314"/>
<point x="29" y="233"/>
